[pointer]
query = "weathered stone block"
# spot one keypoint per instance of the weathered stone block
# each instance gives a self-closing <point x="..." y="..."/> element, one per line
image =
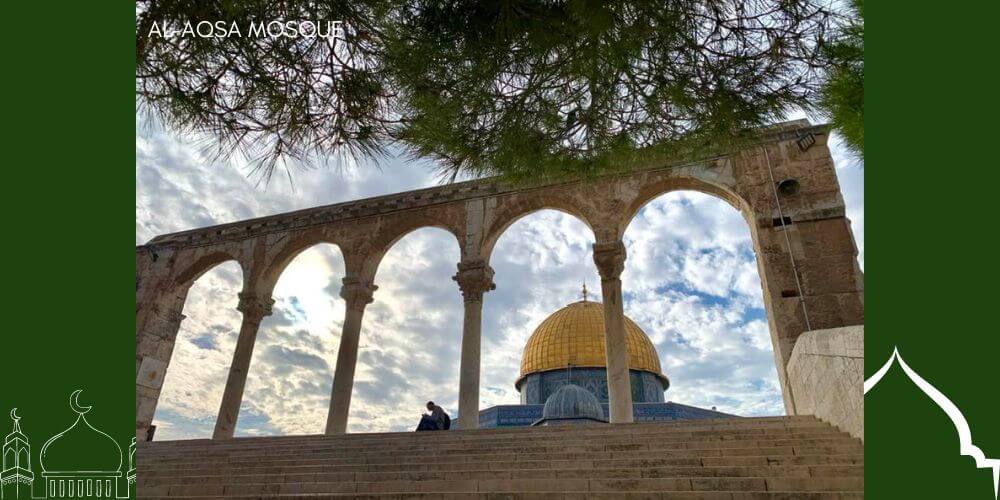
<point x="825" y="375"/>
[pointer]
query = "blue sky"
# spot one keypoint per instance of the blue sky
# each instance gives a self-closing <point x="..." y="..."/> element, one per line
<point x="690" y="282"/>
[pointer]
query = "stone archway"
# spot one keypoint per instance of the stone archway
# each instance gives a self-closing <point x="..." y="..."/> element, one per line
<point x="805" y="251"/>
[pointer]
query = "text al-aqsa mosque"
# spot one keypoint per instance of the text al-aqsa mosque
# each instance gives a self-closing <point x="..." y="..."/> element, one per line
<point x="568" y="349"/>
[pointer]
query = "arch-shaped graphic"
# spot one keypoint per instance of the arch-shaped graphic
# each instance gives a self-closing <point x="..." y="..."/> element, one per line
<point x="966" y="447"/>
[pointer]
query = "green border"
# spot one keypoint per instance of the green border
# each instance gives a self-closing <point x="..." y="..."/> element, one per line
<point x="931" y="253"/>
<point x="67" y="241"/>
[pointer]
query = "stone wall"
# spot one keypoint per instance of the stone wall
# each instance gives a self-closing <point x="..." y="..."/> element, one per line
<point x="826" y="376"/>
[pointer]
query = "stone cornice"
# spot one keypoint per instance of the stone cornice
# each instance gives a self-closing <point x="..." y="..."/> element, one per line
<point x="420" y="198"/>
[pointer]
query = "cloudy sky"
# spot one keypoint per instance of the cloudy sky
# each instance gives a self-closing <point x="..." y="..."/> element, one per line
<point x="690" y="282"/>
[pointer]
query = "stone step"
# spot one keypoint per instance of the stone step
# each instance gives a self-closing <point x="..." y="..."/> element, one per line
<point x="756" y="424"/>
<point x="234" y="446"/>
<point x="476" y="448"/>
<point x="685" y="484"/>
<point x="553" y="465"/>
<point x="147" y="454"/>
<point x="249" y="449"/>
<point x="761" y="461"/>
<point x="633" y="495"/>
<point x="578" y="473"/>
<point x="680" y="425"/>
<point x="849" y="448"/>
<point x="730" y="459"/>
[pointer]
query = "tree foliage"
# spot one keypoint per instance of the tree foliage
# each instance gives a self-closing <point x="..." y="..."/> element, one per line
<point x="524" y="88"/>
<point x="843" y="91"/>
<point x="268" y="98"/>
<point x="528" y="87"/>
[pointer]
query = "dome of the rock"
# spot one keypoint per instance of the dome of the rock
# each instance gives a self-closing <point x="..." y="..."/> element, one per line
<point x="574" y="336"/>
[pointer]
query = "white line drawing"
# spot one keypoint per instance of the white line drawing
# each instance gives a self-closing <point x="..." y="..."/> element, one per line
<point x="66" y="474"/>
<point x="130" y="476"/>
<point x="16" y="476"/>
<point x="957" y="419"/>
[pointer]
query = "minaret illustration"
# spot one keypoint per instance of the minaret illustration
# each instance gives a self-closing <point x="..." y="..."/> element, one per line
<point x="16" y="476"/>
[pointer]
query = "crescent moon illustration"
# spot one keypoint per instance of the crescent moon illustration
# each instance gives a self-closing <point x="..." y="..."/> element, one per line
<point x="74" y="403"/>
<point x="13" y="414"/>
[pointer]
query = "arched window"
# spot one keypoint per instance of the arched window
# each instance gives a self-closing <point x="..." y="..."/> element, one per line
<point x="203" y="351"/>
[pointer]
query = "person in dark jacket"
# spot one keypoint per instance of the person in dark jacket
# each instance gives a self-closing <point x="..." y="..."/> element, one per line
<point x="436" y="420"/>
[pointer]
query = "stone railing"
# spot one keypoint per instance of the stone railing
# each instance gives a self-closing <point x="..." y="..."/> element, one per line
<point x="826" y="377"/>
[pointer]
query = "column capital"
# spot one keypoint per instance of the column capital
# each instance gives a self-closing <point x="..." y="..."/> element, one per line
<point x="474" y="278"/>
<point x="255" y="306"/>
<point x="171" y="317"/>
<point x="356" y="293"/>
<point x="610" y="259"/>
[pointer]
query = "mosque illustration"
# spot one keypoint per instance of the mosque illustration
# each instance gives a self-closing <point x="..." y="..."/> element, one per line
<point x="79" y="462"/>
<point x="563" y="378"/>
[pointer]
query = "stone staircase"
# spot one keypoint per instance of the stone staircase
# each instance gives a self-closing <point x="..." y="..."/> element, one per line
<point x="740" y="458"/>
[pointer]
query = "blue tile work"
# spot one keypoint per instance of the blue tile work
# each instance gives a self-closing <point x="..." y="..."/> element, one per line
<point x="537" y="387"/>
<point x="525" y="415"/>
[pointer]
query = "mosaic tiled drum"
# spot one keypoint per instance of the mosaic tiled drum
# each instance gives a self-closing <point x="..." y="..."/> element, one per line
<point x="568" y="348"/>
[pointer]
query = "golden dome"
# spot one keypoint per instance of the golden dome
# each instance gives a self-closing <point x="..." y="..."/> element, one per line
<point x="574" y="335"/>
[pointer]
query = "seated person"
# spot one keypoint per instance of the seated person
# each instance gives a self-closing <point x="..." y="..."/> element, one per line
<point x="437" y="420"/>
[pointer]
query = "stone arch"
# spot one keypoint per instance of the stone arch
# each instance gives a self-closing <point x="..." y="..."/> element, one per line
<point x="188" y="275"/>
<point x="301" y="272"/>
<point x="513" y="211"/>
<point x="784" y="295"/>
<point x="398" y="270"/>
<point x="299" y="243"/>
<point x="158" y="346"/>
<point x="747" y="218"/>
<point x="391" y="233"/>
<point x="653" y="190"/>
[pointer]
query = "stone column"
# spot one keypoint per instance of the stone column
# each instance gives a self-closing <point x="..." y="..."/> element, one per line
<point x="610" y="260"/>
<point x="254" y="309"/>
<point x="474" y="278"/>
<point x="357" y="295"/>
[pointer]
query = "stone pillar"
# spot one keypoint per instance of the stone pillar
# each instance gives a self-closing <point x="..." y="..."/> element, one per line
<point x="610" y="260"/>
<point x="474" y="278"/>
<point x="357" y="295"/>
<point x="828" y="275"/>
<point x="152" y="355"/>
<point x="254" y="309"/>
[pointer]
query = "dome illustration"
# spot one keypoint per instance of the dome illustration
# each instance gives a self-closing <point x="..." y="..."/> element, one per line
<point x="81" y="447"/>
